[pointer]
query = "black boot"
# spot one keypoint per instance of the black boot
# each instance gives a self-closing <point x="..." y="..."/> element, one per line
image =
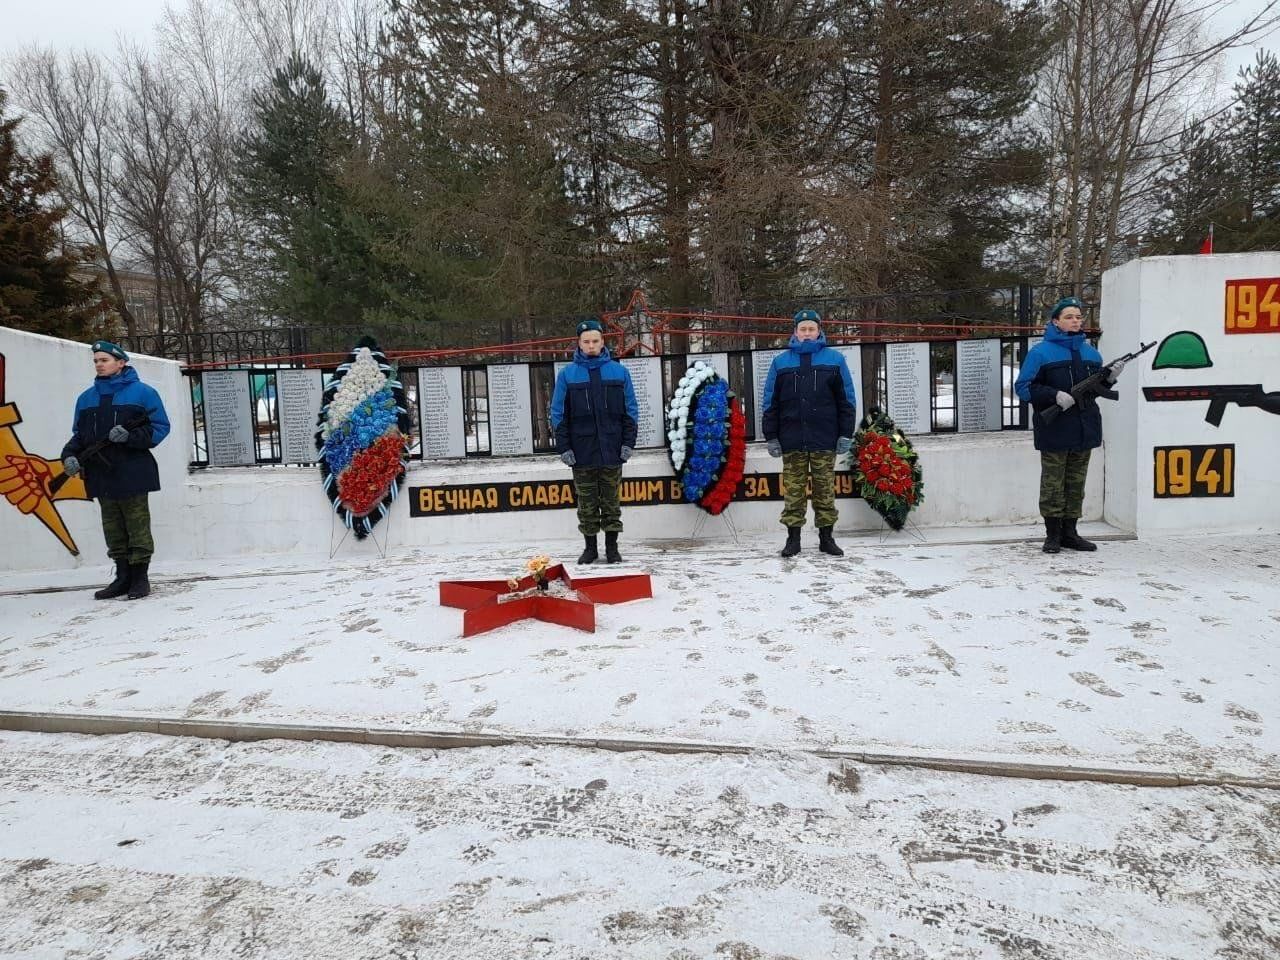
<point x="611" y="554"/>
<point x="117" y="587"/>
<point x="139" y="585"/>
<point x="1052" y="534"/>
<point x="592" y="553"/>
<point x="827" y="543"/>
<point x="792" y="546"/>
<point x="1072" y="540"/>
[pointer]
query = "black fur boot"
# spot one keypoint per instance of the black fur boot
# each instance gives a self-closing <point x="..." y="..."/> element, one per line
<point x="792" y="546"/>
<point x="1052" y="535"/>
<point x="1072" y="540"/>
<point x="139" y="585"/>
<point x="117" y="587"/>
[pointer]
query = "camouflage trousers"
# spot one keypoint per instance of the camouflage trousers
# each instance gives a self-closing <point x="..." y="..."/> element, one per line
<point x="126" y="525"/>
<point x="599" y="508"/>
<point x="1062" y="474"/>
<point x="804" y="471"/>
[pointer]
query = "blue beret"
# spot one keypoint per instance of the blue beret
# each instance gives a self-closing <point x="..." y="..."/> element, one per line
<point x="106" y="346"/>
<point x="804" y="315"/>
<point x="591" y="323"/>
<point x="1063" y="304"/>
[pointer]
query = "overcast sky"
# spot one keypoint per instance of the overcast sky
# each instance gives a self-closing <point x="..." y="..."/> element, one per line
<point x="95" y="23"/>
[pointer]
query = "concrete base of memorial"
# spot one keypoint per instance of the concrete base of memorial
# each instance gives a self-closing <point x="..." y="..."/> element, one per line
<point x="979" y="481"/>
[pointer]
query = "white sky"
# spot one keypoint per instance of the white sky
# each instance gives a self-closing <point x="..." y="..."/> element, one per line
<point x="67" y="24"/>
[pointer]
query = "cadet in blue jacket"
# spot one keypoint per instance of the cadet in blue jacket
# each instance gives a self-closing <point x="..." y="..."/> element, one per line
<point x="1053" y="366"/>
<point x="809" y="418"/>
<point x="593" y="414"/>
<point x="127" y="415"/>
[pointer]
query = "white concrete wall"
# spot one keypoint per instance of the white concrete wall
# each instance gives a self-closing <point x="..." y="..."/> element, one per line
<point x="1148" y="300"/>
<point x="43" y="377"/>
<point x="974" y="479"/>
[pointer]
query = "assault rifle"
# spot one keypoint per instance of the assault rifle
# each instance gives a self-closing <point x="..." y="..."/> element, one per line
<point x="95" y="450"/>
<point x="1241" y="394"/>
<point x="1088" y="390"/>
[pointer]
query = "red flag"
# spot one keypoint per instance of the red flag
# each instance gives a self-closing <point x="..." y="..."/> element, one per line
<point x="1206" y="245"/>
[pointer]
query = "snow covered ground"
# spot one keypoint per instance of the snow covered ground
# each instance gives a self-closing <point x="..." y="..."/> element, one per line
<point x="1156" y="655"/>
<point x="173" y="848"/>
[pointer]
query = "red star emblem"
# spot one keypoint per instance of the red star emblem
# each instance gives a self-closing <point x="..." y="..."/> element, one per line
<point x="482" y="611"/>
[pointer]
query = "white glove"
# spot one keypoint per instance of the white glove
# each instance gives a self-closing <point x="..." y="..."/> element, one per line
<point x="1114" y="375"/>
<point x="1065" y="400"/>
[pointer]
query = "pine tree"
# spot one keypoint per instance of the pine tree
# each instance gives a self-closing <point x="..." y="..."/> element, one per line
<point x="1254" y="143"/>
<point x="315" y="269"/>
<point x="469" y="175"/>
<point x="942" y="93"/>
<point x="1201" y="189"/>
<point x="38" y="290"/>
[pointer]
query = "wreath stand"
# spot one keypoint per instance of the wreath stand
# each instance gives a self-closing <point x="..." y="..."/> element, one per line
<point x="909" y="528"/>
<point x="724" y="515"/>
<point x="337" y="522"/>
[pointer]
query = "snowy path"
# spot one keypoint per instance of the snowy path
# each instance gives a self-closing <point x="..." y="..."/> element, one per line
<point x="1157" y="655"/>
<point x="142" y="846"/>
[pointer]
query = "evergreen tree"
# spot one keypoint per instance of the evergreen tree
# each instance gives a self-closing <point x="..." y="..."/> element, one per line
<point x="469" y="178"/>
<point x="38" y="291"/>
<point x="1201" y="189"/>
<point x="1254" y="143"/>
<point x="937" y="114"/>
<point x="314" y="266"/>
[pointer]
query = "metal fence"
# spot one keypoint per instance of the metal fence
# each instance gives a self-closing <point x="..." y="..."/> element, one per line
<point x="871" y="382"/>
<point x="1013" y="313"/>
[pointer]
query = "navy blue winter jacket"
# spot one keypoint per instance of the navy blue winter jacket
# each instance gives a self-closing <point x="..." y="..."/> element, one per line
<point x="593" y="410"/>
<point x="126" y="469"/>
<point x="1059" y="362"/>
<point x="809" y="402"/>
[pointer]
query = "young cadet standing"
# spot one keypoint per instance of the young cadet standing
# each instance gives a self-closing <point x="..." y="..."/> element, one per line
<point x="1053" y="366"/>
<point x="593" y="415"/>
<point x="126" y="418"/>
<point x="810" y="414"/>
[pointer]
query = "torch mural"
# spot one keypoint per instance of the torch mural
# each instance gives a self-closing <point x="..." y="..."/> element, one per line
<point x="33" y="483"/>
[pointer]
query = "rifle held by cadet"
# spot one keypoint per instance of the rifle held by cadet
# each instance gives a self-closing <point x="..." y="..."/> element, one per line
<point x="1088" y="390"/>
<point x="95" y="449"/>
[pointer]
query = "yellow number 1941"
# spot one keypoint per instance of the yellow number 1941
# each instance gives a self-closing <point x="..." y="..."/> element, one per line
<point x="1208" y="471"/>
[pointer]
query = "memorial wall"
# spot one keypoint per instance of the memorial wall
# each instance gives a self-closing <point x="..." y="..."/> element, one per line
<point x="260" y="510"/>
<point x="507" y="403"/>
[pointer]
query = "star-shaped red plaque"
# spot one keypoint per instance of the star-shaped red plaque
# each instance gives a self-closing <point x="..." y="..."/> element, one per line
<point x="482" y="611"/>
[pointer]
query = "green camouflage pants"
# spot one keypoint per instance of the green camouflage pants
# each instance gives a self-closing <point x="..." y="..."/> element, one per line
<point x="1062" y="476"/>
<point x="126" y="525"/>
<point x="802" y="471"/>
<point x="598" y="505"/>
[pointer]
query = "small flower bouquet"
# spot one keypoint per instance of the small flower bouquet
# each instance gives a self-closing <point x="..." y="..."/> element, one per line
<point x="535" y="567"/>
<point x="887" y="469"/>
<point x="535" y="574"/>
